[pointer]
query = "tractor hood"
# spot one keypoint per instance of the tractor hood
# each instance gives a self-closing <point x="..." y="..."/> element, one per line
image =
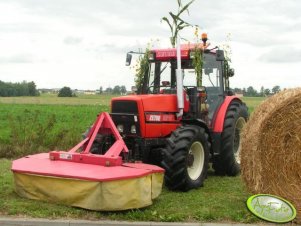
<point x="149" y="103"/>
<point x="154" y="115"/>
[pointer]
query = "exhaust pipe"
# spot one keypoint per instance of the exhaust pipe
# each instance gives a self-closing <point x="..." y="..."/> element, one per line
<point x="180" y="94"/>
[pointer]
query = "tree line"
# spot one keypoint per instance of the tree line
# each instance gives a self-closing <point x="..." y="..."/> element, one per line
<point x="117" y="90"/>
<point x="252" y="92"/>
<point x="9" y="89"/>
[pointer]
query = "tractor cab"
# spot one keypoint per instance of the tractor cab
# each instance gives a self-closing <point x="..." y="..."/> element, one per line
<point x="203" y="95"/>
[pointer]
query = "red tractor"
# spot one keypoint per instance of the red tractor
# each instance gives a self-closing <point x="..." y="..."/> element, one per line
<point x="179" y="125"/>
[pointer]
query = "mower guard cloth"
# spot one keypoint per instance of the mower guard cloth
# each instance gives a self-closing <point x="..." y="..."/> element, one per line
<point x="90" y="181"/>
<point x="89" y="186"/>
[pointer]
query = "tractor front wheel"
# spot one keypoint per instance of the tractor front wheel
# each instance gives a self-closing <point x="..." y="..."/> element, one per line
<point x="228" y="162"/>
<point x="185" y="158"/>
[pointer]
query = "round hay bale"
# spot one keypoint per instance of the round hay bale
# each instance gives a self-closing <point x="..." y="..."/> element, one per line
<point x="271" y="148"/>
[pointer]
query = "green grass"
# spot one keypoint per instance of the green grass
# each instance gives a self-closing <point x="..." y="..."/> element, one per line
<point x="29" y="128"/>
<point x="253" y="102"/>
<point x="222" y="199"/>
<point x="54" y="99"/>
<point x="36" y="124"/>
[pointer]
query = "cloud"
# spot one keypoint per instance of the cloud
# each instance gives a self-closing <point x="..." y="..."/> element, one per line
<point x="283" y="54"/>
<point x="59" y="32"/>
<point x="70" y="40"/>
<point x="16" y="59"/>
<point x="264" y="23"/>
<point x="21" y="28"/>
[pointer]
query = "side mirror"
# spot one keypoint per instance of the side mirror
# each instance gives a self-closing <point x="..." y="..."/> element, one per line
<point x="231" y="72"/>
<point x="128" y="59"/>
<point x="220" y="55"/>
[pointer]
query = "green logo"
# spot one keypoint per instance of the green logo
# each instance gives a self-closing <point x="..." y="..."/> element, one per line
<point x="271" y="208"/>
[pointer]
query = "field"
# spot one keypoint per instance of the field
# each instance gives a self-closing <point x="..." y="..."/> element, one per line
<point x="31" y="124"/>
<point x="52" y="99"/>
<point x="28" y="125"/>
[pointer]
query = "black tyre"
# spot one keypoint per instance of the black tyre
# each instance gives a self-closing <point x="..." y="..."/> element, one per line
<point x="228" y="162"/>
<point x="185" y="158"/>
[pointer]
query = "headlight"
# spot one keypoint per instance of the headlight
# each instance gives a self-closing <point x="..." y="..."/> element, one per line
<point x="133" y="129"/>
<point x="120" y="128"/>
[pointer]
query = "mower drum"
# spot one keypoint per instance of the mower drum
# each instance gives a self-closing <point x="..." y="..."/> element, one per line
<point x="79" y="178"/>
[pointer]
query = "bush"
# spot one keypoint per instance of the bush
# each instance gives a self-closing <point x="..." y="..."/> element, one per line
<point x="66" y="92"/>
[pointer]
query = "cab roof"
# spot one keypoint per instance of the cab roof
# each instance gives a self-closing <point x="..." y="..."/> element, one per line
<point x="171" y="53"/>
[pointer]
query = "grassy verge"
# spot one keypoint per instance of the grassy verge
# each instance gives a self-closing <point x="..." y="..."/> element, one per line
<point x="29" y="125"/>
<point x="222" y="199"/>
<point x="29" y="128"/>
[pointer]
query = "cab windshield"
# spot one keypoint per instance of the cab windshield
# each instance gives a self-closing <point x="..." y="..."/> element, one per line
<point x="162" y="80"/>
<point x="162" y="75"/>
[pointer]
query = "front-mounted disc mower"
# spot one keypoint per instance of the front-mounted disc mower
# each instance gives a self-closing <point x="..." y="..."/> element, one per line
<point x="84" y="179"/>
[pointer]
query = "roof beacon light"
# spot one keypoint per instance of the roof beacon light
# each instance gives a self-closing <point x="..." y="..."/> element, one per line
<point x="204" y="38"/>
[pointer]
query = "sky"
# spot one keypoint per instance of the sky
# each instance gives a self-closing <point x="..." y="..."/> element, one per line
<point x="83" y="44"/>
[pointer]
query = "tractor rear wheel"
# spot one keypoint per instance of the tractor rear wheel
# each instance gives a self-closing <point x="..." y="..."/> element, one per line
<point x="228" y="162"/>
<point x="186" y="157"/>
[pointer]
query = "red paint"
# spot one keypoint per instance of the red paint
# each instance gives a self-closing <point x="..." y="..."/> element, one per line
<point x="41" y="165"/>
<point x="156" y="130"/>
<point x="220" y="118"/>
<point x="105" y="122"/>
<point x="167" y="54"/>
<point x="159" y="103"/>
<point x="162" y="104"/>
<point x="171" y="53"/>
<point x="102" y="160"/>
<point x="110" y="158"/>
<point x="84" y="165"/>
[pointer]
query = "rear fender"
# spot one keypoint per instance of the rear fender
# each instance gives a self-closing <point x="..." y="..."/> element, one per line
<point x="218" y="124"/>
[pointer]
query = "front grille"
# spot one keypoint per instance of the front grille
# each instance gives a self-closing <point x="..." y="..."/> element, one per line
<point x="127" y="120"/>
<point x="124" y="106"/>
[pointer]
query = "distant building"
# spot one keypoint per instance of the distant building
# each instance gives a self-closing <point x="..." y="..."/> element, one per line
<point x="90" y="92"/>
<point x="76" y="91"/>
<point x="45" y="90"/>
<point x="86" y="92"/>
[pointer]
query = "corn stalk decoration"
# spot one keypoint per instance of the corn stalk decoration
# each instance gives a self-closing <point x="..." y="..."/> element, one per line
<point x="176" y="24"/>
<point x="197" y="61"/>
<point x="228" y="53"/>
<point x="142" y="68"/>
